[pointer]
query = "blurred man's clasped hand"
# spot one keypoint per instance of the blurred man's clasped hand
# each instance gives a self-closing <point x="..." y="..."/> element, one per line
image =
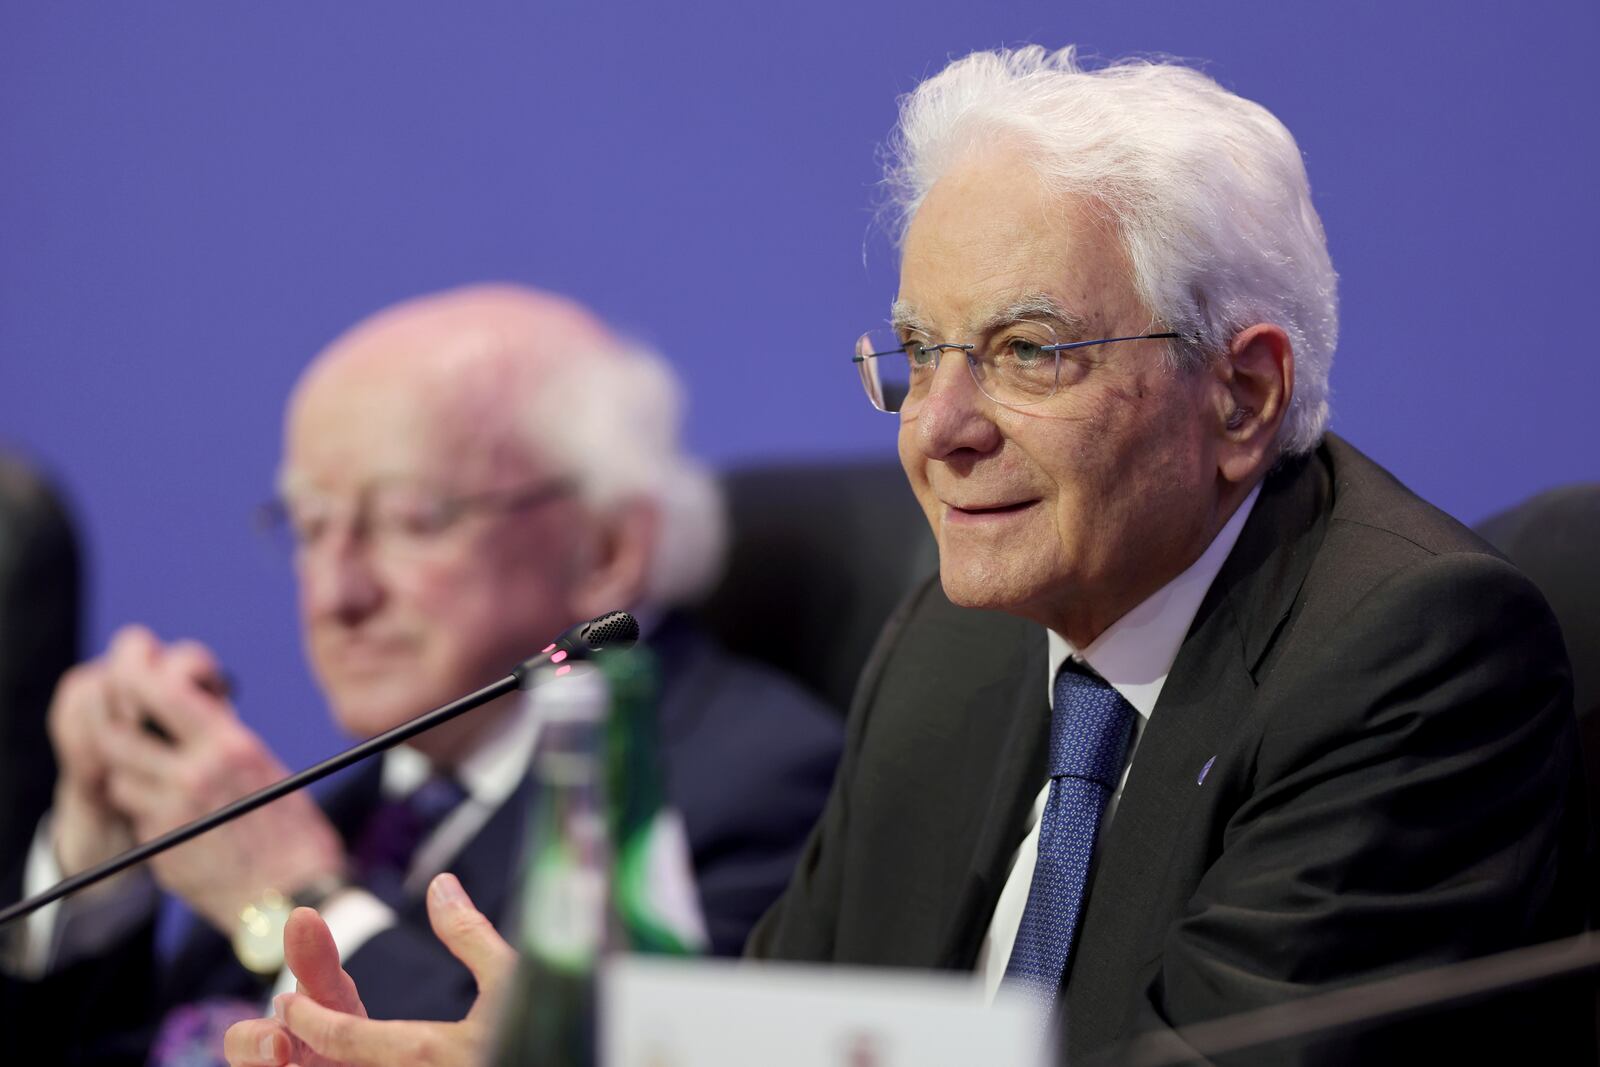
<point x="146" y="743"/>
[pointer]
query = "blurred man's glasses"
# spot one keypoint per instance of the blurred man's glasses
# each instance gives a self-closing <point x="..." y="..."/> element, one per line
<point x="1019" y="367"/>
<point x="400" y="520"/>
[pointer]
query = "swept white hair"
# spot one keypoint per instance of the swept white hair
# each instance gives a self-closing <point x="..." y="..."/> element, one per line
<point x="613" y="419"/>
<point x="1207" y="191"/>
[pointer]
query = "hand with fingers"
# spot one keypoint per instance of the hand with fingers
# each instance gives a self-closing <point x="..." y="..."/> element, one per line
<point x="86" y="827"/>
<point x="323" y="1024"/>
<point x="194" y="756"/>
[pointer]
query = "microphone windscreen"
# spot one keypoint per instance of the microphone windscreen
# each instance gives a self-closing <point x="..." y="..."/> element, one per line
<point x="616" y="629"/>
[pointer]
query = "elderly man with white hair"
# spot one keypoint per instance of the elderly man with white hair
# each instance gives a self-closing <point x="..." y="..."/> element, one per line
<point x="1206" y="712"/>
<point x="464" y="476"/>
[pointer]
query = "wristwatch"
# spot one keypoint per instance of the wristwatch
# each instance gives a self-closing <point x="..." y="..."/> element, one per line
<point x="258" y="939"/>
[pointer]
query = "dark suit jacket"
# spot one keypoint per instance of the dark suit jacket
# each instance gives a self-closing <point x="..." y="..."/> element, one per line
<point x="748" y="758"/>
<point x="1390" y="713"/>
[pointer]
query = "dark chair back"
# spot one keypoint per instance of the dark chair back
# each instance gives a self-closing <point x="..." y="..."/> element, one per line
<point x="819" y="555"/>
<point x="1555" y="539"/>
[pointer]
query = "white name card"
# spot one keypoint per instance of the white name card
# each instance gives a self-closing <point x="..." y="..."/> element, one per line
<point x="661" y="1012"/>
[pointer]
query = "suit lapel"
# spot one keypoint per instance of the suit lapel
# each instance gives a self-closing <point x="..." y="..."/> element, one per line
<point x="1019" y="704"/>
<point x="1211" y="683"/>
<point x="490" y="864"/>
<point x="350" y="803"/>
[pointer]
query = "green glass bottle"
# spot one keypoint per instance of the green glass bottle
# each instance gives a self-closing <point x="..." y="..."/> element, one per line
<point x="608" y="867"/>
<point x="566" y="923"/>
<point x="652" y="877"/>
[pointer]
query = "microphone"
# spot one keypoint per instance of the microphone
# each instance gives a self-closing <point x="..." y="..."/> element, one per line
<point x="615" y="629"/>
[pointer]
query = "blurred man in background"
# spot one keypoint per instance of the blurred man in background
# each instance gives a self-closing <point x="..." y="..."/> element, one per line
<point x="464" y="476"/>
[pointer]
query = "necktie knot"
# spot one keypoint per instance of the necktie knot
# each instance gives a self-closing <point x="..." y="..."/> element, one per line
<point x="1090" y="727"/>
<point x="397" y="827"/>
<point x="434" y="799"/>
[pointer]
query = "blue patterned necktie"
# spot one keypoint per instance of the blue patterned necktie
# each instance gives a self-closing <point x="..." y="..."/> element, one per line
<point x="1090" y="728"/>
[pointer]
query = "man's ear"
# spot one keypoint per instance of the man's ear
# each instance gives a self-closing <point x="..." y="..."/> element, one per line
<point x="618" y="561"/>
<point x="1256" y="379"/>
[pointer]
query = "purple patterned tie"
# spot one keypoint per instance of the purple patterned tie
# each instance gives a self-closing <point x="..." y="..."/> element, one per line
<point x="1090" y="727"/>
<point x="392" y="834"/>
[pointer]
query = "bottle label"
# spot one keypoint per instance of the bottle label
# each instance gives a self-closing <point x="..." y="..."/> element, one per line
<point x="566" y="909"/>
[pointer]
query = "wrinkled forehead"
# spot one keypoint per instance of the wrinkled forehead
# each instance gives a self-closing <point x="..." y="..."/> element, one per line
<point x="992" y="243"/>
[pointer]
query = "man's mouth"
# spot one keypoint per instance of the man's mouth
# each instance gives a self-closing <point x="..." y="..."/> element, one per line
<point x="364" y="652"/>
<point x="991" y="511"/>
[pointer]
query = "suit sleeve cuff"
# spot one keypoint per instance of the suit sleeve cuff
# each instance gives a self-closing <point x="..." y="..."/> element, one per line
<point x="82" y="926"/>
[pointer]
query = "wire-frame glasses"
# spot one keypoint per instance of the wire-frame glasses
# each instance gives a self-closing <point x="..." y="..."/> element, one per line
<point x="1019" y="367"/>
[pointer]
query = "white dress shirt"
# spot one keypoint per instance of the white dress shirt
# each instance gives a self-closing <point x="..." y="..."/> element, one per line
<point x="90" y="923"/>
<point x="1134" y="654"/>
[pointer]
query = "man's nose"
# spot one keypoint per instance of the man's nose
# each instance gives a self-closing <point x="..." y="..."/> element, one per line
<point x="955" y="415"/>
<point x="340" y="578"/>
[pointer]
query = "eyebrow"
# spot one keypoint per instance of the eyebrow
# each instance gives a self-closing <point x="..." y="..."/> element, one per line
<point x="903" y="317"/>
<point x="1035" y="306"/>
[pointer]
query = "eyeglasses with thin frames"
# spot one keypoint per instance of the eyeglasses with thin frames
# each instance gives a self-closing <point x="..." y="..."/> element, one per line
<point x="1019" y="368"/>
<point x="398" y="520"/>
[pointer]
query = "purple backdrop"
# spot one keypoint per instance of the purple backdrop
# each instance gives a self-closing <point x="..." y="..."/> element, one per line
<point x="194" y="197"/>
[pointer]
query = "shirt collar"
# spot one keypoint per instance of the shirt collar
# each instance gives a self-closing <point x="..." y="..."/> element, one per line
<point x="494" y="765"/>
<point x="490" y="770"/>
<point x="1135" y="654"/>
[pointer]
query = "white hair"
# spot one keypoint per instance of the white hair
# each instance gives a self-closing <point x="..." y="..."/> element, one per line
<point x="612" y="419"/>
<point x="1207" y="191"/>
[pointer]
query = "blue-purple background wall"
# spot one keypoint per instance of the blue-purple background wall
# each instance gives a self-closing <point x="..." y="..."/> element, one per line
<point x="195" y="196"/>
